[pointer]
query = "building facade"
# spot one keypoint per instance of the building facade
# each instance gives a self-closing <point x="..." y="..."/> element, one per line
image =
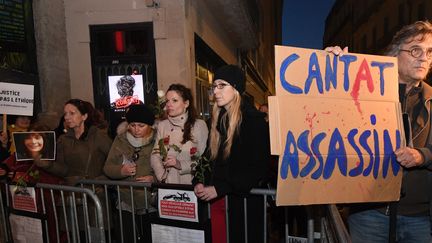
<point x="79" y="43"/>
<point x="368" y="26"/>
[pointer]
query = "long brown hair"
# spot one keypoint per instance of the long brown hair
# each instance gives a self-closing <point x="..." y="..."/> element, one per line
<point x="186" y="95"/>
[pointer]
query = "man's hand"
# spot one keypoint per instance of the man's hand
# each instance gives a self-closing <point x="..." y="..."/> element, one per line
<point x="409" y="157"/>
<point x="337" y="50"/>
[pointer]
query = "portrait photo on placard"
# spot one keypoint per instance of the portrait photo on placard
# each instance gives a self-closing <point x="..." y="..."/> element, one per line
<point x="125" y="90"/>
<point x="30" y="145"/>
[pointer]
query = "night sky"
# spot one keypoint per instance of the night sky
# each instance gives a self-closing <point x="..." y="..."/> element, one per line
<point x="303" y="22"/>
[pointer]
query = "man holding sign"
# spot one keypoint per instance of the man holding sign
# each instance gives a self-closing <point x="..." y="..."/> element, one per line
<point x="412" y="46"/>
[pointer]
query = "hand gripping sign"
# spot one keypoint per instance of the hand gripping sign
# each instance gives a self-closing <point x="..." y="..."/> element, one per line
<point x="335" y="123"/>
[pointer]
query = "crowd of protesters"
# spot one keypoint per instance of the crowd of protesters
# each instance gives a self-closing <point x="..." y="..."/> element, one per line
<point x="166" y="151"/>
<point x="236" y="145"/>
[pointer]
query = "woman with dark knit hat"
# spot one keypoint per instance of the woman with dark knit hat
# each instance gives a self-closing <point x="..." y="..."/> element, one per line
<point x="129" y="160"/>
<point x="239" y="151"/>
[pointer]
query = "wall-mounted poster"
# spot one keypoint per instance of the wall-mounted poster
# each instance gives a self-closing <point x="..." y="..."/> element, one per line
<point x="125" y="90"/>
<point x="30" y="144"/>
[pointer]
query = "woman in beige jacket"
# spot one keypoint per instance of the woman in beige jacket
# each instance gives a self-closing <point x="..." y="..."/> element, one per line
<point x="179" y="138"/>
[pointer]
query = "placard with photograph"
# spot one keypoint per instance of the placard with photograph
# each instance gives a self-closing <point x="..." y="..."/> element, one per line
<point x="125" y="90"/>
<point x="30" y="144"/>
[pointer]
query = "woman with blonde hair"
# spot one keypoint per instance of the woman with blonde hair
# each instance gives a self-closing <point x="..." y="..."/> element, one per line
<point x="239" y="152"/>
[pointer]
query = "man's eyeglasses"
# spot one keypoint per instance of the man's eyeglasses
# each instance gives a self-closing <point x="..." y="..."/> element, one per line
<point x="219" y="86"/>
<point x="417" y="52"/>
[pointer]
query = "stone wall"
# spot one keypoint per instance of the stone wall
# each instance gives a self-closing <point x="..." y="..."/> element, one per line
<point x="52" y="58"/>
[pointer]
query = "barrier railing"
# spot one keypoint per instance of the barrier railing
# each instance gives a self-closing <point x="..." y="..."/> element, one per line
<point x="106" y="197"/>
<point x="62" y="212"/>
<point x="332" y="227"/>
<point x="4" y="232"/>
<point x="116" y="197"/>
<point x="123" y="195"/>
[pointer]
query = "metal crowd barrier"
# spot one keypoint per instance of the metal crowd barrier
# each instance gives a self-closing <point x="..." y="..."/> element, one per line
<point x="67" y="228"/>
<point x="332" y="228"/>
<point x="64" y="211"/>
<point x="116" y="186"/>
<point x="3" y="227"/>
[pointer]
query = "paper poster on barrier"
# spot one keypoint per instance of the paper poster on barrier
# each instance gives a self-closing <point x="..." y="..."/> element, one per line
<point x="26" y="229"/>
<point x="171" y="234"/>
<point x="178" y="205"/>
<point x="23" y="198"/>
<point x="16" y="99"/>
<point x="335" y="122"/>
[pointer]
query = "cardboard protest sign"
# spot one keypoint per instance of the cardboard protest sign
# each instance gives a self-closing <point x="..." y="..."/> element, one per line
<point x="125" y="90"/>
<point x="16" y="99"/>
<point x="29" y="144"/>
<point x="335" y="122"/>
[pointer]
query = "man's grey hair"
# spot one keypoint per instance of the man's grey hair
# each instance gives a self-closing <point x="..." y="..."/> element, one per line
<point x="407" y="34"/>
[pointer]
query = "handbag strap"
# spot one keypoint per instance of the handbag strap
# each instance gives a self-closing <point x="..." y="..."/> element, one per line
<point x="91" y="143"/>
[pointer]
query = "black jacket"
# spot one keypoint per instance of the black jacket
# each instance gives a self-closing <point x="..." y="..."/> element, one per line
<point x="244" y="169"/>
<point x="247" y="164"/>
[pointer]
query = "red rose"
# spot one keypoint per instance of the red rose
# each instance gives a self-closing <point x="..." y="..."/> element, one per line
<point x="193" y="150"/>
<point x="166" y="140"/>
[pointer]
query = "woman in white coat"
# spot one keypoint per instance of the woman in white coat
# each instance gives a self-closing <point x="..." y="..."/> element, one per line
<point x="179" y="138"/>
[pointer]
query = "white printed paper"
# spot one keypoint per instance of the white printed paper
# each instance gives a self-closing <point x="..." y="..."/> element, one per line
<point x="170" y="234"/>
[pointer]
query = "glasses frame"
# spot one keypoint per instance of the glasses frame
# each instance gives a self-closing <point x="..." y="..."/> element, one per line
<point x="415" y="49"/>
<point x="219" y="86"/>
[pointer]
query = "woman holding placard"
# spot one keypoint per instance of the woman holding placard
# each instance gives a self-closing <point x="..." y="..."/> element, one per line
<point x="27" y="173"/>
<point x="18" y="124"/>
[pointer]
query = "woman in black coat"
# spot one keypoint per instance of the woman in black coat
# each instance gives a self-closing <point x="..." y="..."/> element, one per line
<point x="239" y="151"/>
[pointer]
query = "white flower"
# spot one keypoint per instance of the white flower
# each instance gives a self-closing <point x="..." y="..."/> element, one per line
<point x="160" y="93"/>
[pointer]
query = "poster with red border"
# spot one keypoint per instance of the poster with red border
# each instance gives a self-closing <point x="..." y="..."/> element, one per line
<point x="178" y="205"/>
<point x="23" y="198"/>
